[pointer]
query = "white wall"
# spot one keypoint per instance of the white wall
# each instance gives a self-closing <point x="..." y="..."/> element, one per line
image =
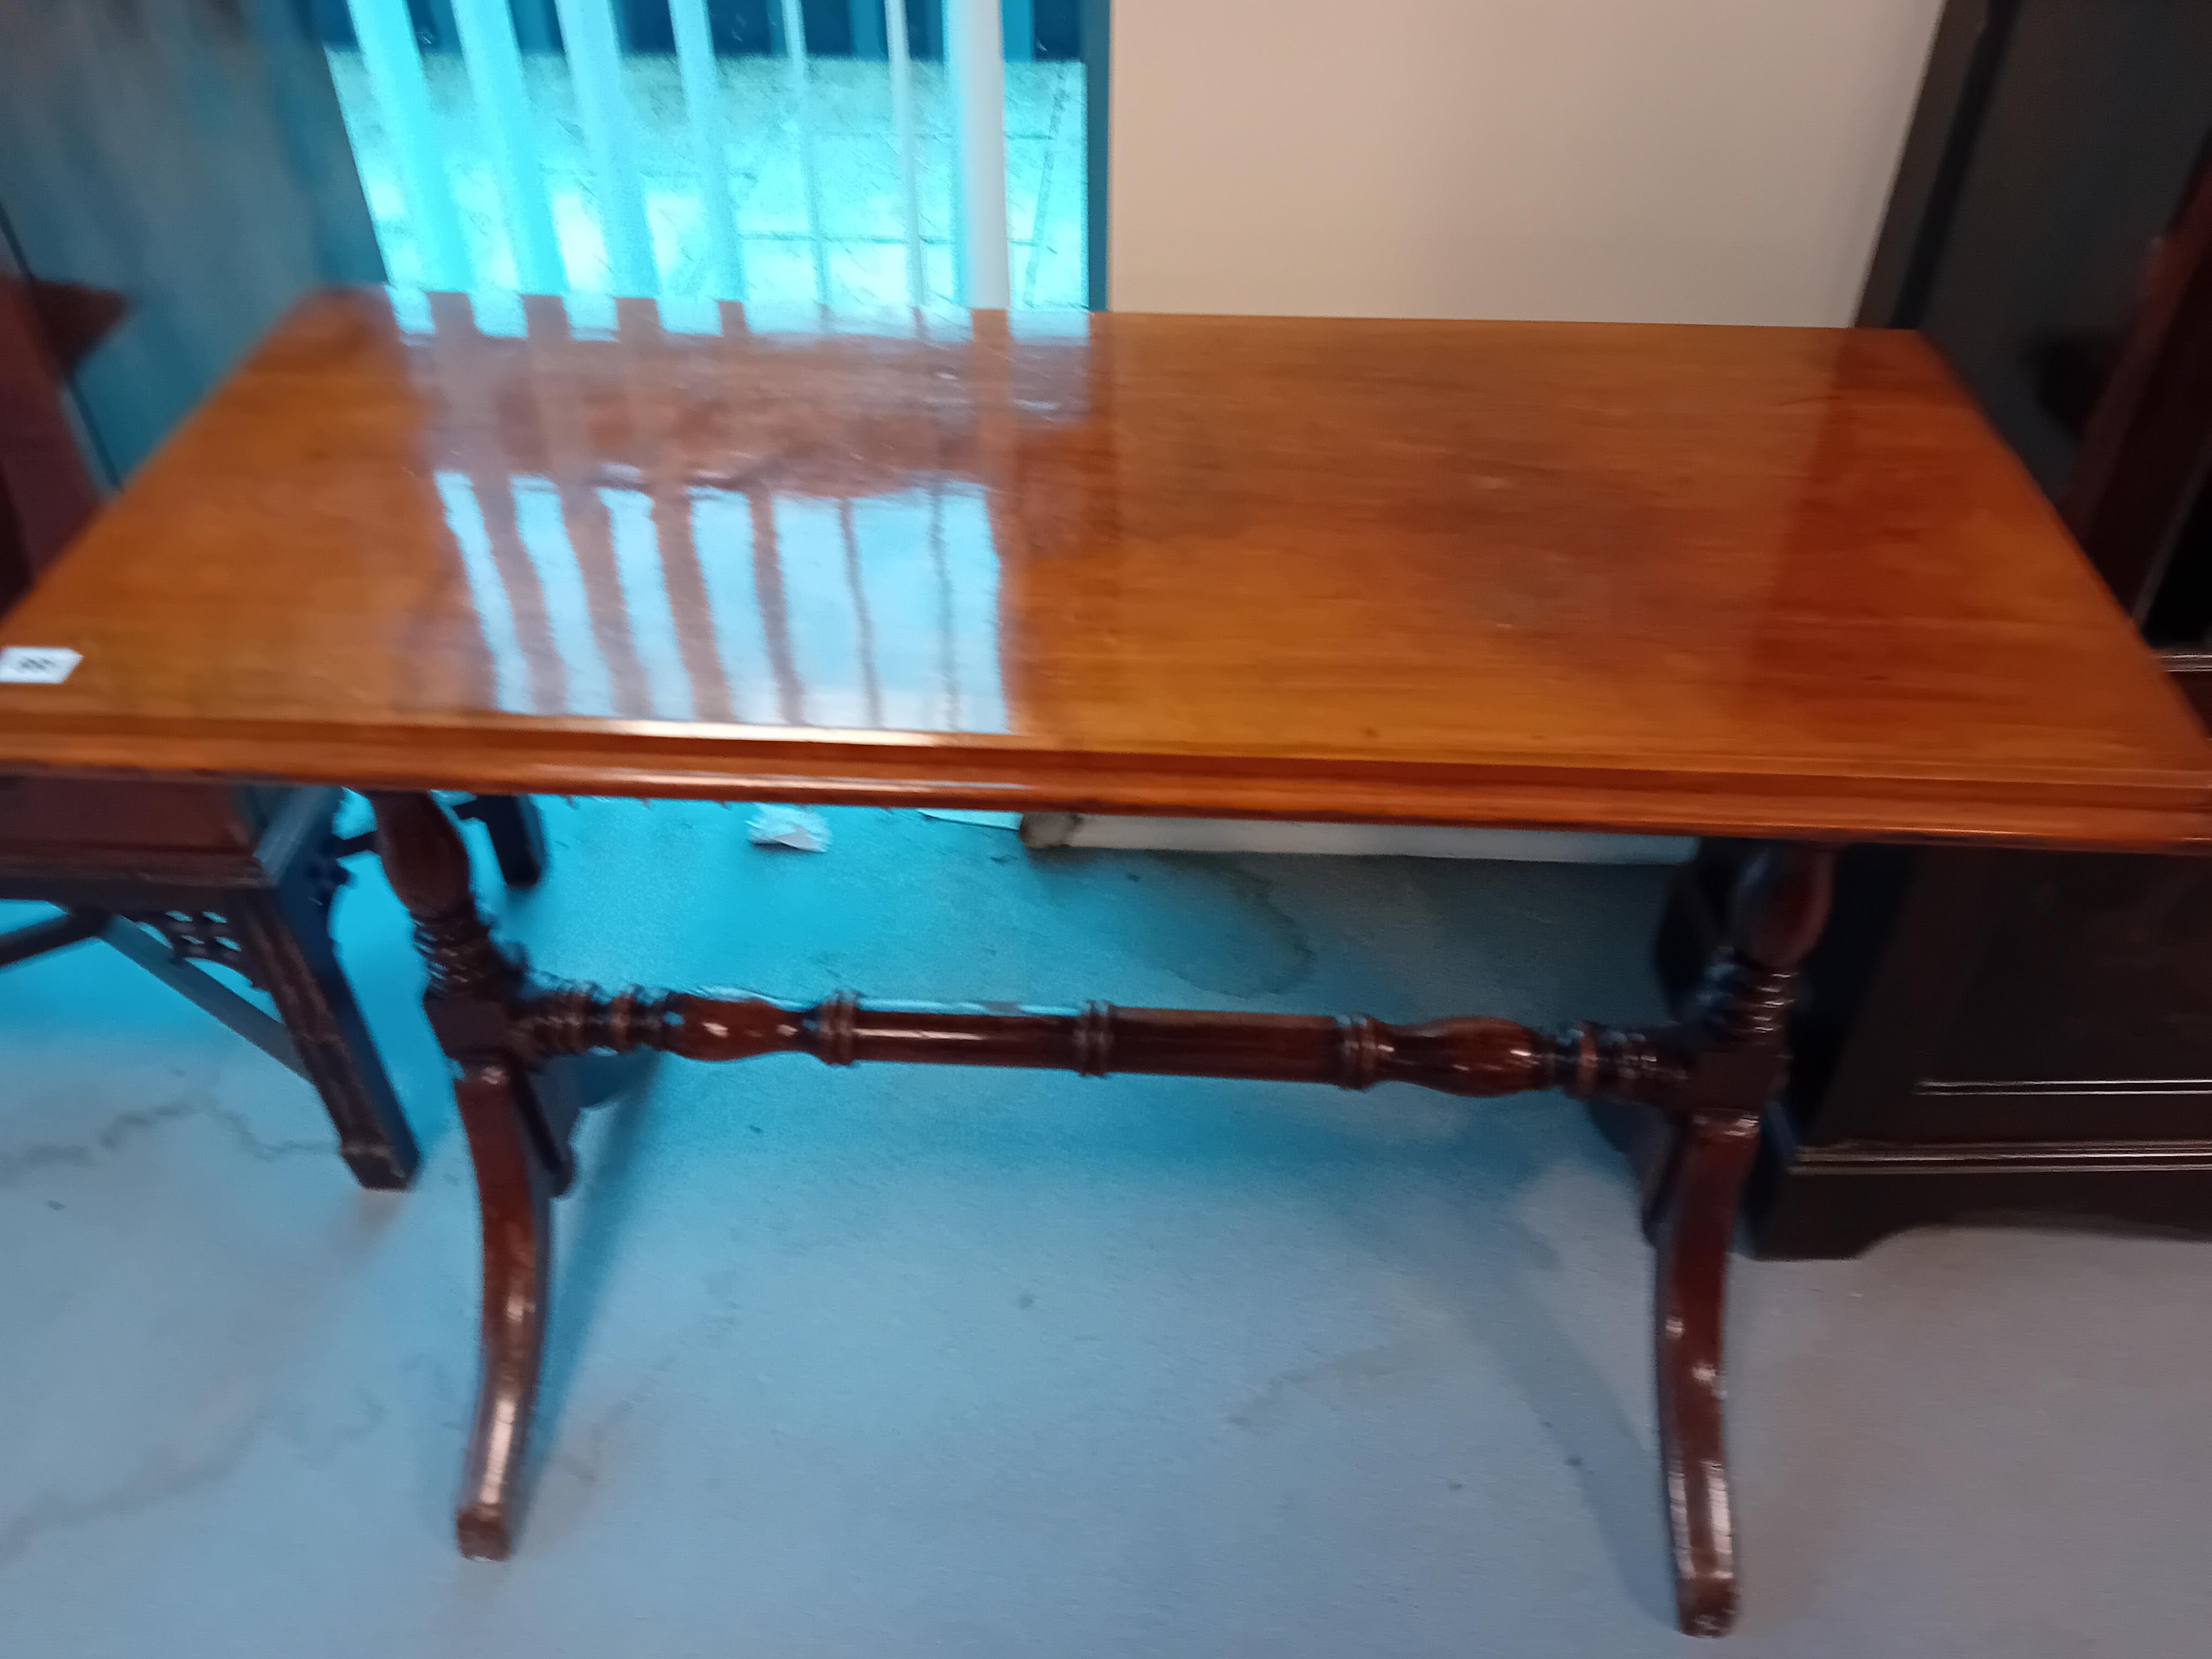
<point x="1691" y="160"/>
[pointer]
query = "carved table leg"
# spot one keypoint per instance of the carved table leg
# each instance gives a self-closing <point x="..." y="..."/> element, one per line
<point x="1736" y="1039"/>
<point x="473" y="989"/>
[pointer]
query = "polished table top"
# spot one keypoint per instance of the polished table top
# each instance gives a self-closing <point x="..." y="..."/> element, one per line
<point x="1704" y="580"/>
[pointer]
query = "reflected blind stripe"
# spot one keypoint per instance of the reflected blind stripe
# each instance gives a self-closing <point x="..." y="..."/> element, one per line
<point x="911" y="646"/>
<point x="545" y="534"/>
<point x="486" y="592"/>
<point x="494" y="65"/>
<point x="411" y="314"/>
<point x="498" y="314"/>
<point x="703" y="105"/>
<point x="819" y="618"/>
<point x="776" y="624"/>
<point x="394" y="63"/>
<point x="459" y="368"/>
<point x="971" y="572"/>
<point x="591" y="537"/>
<point x="949" y="674"/>
<point x="692" y="316"/>
<point x="645" y="598"/>
<point x="587" y="26"/>
<point x="722" y="545"/>
<point x="871" y="690"/>
<point x="591" y="317"/>
<point x="711" y="692"/>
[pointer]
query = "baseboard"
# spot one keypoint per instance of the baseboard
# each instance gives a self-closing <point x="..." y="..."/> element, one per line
<point x="1985" y="1157"/>
<point x="1835" y="1200"/>
<point x="1045" y="830"/>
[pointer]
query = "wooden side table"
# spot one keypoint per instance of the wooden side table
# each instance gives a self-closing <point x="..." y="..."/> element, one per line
<point x="1769" y="583"/>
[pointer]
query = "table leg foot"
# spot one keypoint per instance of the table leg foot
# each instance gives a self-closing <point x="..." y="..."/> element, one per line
<point x="1693" y="1221"/>
<point x="483" y="1533"/>
<point x="514" y="1194"/>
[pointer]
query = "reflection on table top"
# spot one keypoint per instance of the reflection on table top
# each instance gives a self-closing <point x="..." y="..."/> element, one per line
<point x="1694" y="578"/>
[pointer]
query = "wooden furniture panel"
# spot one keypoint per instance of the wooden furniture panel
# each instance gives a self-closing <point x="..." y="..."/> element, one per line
<point x="74" y="816"/>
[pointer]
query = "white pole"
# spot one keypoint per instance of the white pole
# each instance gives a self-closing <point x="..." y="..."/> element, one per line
<point x="587" y="28"/>
<point x="496" y="72"/>
<point x="394" y="63"/>
<point x="975" y="63"/>
<point x="909" y="150"/>
<point x="702" y="100"/>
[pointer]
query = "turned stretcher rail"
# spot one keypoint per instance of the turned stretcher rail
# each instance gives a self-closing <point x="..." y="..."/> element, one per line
<point x="1464" y="1056"/>
<point x="1711" y="1074"/>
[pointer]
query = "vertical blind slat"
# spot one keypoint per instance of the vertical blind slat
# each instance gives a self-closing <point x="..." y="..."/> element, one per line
<point x="802" y="128"/>
<point x="977" y="72"/>
<point x="909" y="140"/>
<point x="394" y="63"/>
<point x="494" y="65"/>
<point x="980" y="36"/>
<point x="595" y="59"/>
<point x="702" y="104"/>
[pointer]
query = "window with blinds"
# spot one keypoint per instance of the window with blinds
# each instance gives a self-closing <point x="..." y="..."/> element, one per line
<point x="855" y="153"/>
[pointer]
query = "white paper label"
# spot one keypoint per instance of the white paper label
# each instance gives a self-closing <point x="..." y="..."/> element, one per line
<point x="37" y="665"/>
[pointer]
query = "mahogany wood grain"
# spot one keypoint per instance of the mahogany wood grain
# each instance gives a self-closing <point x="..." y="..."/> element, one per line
<point x="1704" y="580"/>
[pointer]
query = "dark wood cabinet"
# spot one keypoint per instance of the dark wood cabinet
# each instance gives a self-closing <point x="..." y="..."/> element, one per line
<point x="2023" y="1035"/>
<point x="1987" y="1037"/>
